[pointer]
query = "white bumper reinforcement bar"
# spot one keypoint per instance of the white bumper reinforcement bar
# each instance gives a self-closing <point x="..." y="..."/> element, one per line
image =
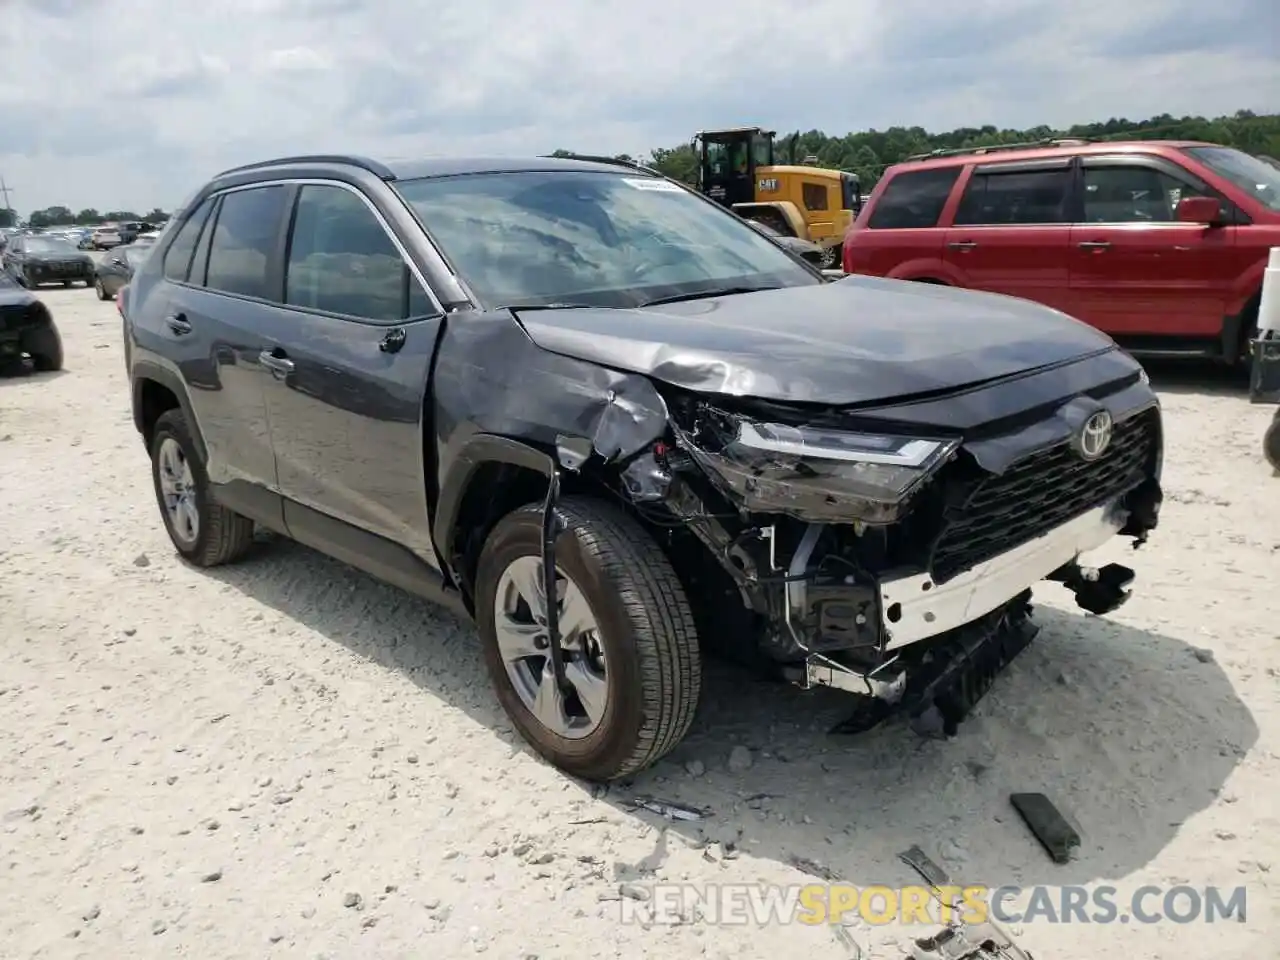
<point x="914" y="608"/>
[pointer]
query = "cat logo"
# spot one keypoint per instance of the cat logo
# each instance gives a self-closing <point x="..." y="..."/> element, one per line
<point x="768" y="185"/>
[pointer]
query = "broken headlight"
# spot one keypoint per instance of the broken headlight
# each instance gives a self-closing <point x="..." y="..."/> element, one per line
<point x="821" y="474"/>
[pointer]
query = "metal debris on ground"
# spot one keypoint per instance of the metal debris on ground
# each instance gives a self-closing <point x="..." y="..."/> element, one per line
<point x="668" y="809"/>
<point x="813" y="868"/>
<point x="980" y="941"/>
<point x="919" y="861"/>
<point x="1050" y="827"/>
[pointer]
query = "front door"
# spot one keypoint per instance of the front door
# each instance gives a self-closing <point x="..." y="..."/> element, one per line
<point x="1011" y="232"/>
<point x="728" y="171"/>
<point x="355" y="339"/>
<point x="1137" y="271"/>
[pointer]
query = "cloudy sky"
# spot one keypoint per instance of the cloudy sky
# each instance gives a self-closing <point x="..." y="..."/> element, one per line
<point x="131" y="103"/>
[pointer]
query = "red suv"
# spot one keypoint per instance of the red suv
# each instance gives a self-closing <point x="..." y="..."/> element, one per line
<point x="1160" y="244"/>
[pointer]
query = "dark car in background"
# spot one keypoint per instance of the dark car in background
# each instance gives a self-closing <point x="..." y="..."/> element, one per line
<point x="806" y="250"/>
<point x="35" y="260"/>
<point x="116" y="268"/>
<point x="27" y="329"/>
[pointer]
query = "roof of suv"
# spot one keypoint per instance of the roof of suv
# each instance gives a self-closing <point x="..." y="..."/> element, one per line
<point x="409" y="169"/>
<point x="1047" y="152"/>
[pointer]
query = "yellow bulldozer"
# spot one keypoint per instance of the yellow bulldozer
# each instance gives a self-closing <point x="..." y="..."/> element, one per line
<point x="737" y="168"/>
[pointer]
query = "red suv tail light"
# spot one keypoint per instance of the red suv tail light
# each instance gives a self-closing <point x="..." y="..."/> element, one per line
<point x="120" y="295"/>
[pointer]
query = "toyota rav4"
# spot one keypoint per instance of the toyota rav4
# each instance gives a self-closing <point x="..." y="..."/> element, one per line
<point x="616" y="426"/>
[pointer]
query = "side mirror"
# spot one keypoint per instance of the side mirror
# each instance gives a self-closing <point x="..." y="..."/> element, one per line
<point x="1203" y="210"/>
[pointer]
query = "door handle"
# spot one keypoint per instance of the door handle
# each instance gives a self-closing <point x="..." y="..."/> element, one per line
<point x="1095" y="245"/>
<point x="393" y="341"/>
<point x="962" y="244"/>
<point x="280" y="366"/>
<point x="178" y="323"/>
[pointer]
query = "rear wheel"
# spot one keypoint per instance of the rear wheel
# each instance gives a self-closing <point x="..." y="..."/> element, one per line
<point x="45" y="347"/>
<point x="630" y="648"/>
<point x="202" y="530"/>
<point x="1271" y="443"/>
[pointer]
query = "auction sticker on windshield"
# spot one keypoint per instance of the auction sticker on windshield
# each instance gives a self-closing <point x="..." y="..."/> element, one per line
<point x="662" y="186"/>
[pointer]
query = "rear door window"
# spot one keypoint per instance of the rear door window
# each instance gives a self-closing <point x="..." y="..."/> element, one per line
<point x="1000" y="198"/>
<point x="244" y="239"/>
<point x="913" y="199"/>
<point x="177" y="259"/>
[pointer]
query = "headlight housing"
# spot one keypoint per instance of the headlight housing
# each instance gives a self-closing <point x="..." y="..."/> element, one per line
<point x="821" y="474"/>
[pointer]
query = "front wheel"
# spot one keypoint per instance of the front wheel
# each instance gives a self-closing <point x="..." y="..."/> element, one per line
<point x="102" y="291"/>
<point x="630" y="648"/>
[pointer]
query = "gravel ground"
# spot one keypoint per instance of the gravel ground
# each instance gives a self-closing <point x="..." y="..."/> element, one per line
<point x="286" y="758"/>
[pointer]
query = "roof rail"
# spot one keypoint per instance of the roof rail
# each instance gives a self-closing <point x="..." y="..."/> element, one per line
<point x="379" y="170"/>
<point x="616" y="161"/>
<point x="999" y="147"/>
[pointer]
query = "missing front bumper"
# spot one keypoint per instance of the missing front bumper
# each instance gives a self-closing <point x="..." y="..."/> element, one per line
<point x="946" y="643"/>
<point x="914" y="607"/>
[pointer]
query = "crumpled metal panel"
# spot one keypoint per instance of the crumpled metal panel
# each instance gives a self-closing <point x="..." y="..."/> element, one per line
<point x="490" y="378"/>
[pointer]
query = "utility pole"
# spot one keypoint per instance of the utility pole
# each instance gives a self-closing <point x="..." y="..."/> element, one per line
<point x="4" y="189"/>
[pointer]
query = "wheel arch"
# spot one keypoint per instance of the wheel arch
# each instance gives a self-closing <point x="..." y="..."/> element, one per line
<point x="782" y="215"/>
<point x="156" y="390"/>
<point x="491" y="476"/>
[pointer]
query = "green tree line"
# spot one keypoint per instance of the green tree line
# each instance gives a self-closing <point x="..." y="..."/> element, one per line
<point x="868" y="153"/>
<point x="66" y="217"/>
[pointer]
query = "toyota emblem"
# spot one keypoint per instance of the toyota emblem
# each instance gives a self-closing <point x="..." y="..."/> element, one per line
<point x="1095" y="435"/>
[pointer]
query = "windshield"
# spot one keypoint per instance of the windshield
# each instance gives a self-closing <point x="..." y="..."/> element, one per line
<point x="135" y="255"/>
<point x="1258" y="179"/>
<point x="594" y="239"/>
<point x="48" y="245"/>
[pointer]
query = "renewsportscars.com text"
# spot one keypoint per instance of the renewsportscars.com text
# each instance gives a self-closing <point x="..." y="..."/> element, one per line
<point x="877" y="905"/>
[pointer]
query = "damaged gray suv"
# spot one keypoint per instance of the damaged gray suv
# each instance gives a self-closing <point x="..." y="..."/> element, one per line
<point x="495" y="382"/>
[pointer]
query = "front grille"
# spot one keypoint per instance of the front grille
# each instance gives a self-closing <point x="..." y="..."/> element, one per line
<point x="1039" y="493"/>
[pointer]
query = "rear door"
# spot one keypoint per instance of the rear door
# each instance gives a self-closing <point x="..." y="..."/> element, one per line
<point x="222" y="268"/>
<point x="352" y="352"/>
<point x="1012" y="231"/>
<point x="900" y="235"/>
<point x="1135" y="270"/>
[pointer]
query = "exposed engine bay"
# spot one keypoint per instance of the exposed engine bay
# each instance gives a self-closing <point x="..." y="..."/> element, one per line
<point x="897" y="567"/>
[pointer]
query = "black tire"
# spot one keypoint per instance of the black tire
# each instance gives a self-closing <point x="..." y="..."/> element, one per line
<point x="102" y="291"/>
<point x="89" y="282"/>
<point x="45" y="347"/>
<point x="1271" y="443"/>
<point x="654" y="667"/>
<point x="223" y="535"/>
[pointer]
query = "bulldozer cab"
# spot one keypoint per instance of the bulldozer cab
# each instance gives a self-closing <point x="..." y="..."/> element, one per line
<point x="737" y="169"/>
<point x="728" y="161"/>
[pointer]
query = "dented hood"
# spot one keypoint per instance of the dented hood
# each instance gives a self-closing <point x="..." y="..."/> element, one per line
<point x="857" y="340"/>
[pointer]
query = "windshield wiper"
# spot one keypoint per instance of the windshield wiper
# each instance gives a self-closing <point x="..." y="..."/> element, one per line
<point x="706" y="294"/>
<point x="517" y="307"/>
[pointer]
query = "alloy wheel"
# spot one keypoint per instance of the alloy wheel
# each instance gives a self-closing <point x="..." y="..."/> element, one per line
<point x="178" y="488"/>
<point x="520" y="622"/>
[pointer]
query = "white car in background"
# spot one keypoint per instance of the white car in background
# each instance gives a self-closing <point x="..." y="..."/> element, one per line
<point x="104" y="238"/>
